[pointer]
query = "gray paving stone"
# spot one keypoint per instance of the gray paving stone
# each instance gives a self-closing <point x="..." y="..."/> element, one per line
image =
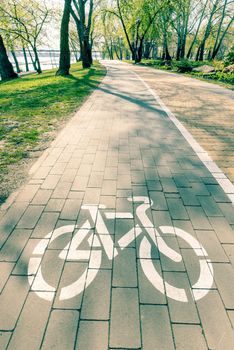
<point x="110" y="173"/>
<point x="92" y="335"/>
<point x="80" y="183"/>
<point x="31" y="325"/>
<point x="84" y="170"/>
<point x="21" y="267"/>
<point x="187" y="312"/>
<point x="223" y="230"/>
<point x="224" y="278"/>
<point x="200" y="189"/>
<point x="156" y="329"/>
<point x="124" y="181"/>
<point x="229" y="250"/>
<point x="42" y="197"/>
<point x="68" y="175"/>
<point x="198" y="218"/>
<point x="71" y="273"/>
<point x="148" y="293"/>
<point x="140" y="191"/>
<point x="161" y="218"/>
<point x="11" y="301"/>
<point x="61" y="191"/>
<point x="231" y="317"/>
<point x="138" y="177"/>
<point x="108" y="201"/>
<point x="177" y="209"/>
<point x="154" y="185"/>
<point x="181" y="181"/>
<point x="55" y="205"/>
<point x="169" y="185"/>
<point x="218" y="193"/>
<point x="30" y="217"/>
<point x="167" y="263"/>
<point x="125" y="323"/>
<point x="216" y="325"/>
<point x="96" y="302"/>
<point x="209" y="206"/>
<point x="159" y="201"/>
<point x="27" y="194"/>
<point x="188" y="197"/>
<point x="42" y="172"/>
<point x="14" y="245"/>
<point x="96" y="179"/>
<point x="212" y="245"/>
<point x="50" y="182"/>
<point x="45" y="225"/>
<point x="108" y="188"/>
<point x="5" y="271"/>
<point x="71" y="209"/>
<point x="4" y="339"/>
<point x="51" y="267"/>
<point x="92" y="196"/>
<point x="10" y="220"/>
<point x="75" y="195"/>
<point x="189" y="337"/>
<point x="61" y="330"/>
<point x="124" y="269"/>
<point x="228" y="211"/>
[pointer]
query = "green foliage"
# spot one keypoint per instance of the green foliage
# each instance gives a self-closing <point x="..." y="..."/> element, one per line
<point x="184" y="66"/>
<point x="229" y="59"/>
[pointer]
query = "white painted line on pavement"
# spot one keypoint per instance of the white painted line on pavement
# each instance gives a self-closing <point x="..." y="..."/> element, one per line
<point x="216" y="172"/>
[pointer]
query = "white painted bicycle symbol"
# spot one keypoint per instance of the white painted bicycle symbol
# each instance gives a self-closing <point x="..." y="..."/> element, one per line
<point x="102" y="241"/>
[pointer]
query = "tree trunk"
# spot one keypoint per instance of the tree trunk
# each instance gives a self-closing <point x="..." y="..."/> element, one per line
<point x="18" y="70"/>
<point x="6" y="68"/>
<point x="64" y="59"/>
<point x="37" y="61"/>
<point x="25" y="60"/>
<point x="32" y="60"/>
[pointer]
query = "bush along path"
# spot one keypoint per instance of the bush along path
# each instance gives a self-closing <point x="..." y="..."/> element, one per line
<point x="32" y="109"/>
<point x="217" y="71"/>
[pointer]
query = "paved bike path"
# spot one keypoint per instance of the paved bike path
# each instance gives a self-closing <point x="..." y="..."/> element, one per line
<point x="120" y="145"/>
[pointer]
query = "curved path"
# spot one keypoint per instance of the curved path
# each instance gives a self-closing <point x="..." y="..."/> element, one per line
<point x="167" y="284"/>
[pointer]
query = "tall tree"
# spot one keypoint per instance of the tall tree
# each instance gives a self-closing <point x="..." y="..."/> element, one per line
<point x="64" y="59"/>
<point x="82" y="13"/>
<point x="6" y="68"/>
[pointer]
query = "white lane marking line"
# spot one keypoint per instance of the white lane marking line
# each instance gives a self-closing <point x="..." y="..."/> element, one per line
<point x="227" y="187"/>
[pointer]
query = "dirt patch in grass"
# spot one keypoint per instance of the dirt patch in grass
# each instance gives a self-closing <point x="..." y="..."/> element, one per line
<point x="32" y="111"/>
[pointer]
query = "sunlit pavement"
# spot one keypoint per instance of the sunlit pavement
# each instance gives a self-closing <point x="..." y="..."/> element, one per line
<point x="123" y="236"/>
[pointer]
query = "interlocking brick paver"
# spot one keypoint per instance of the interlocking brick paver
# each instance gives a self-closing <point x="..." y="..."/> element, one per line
<point x="212" y="245"/>
<point x="228" y="211"/>
<point x="14" y="245"/>
<point x="198" y="218"/>
<point x="223" y="230"/>
<point x="61" y="330"/>
<point x="45" y="225"/>
<point x="42" y="197"/>
<point x="189" y="337"/>
<point x="5" y="268"/>
<point x="215" y="322"/>
<point x="30" y="217"/>
<point x="156" y="329"/>
<point x="71" y="209"/>
<point x="27" y="194"/>
<point x="209" y="206"/>
<point x="92" y="335"/>
<point x="15" y="285"/>
<point x="4" y="339"/>
<point x="125" y="322"/>
<point x="224" y="279"/>
<point x="188" y="312"/>
<point x="91" y="310"/>
<point x="148" y="294"/>
<point x="31" y="325"/>
<point x="124" y="269"/>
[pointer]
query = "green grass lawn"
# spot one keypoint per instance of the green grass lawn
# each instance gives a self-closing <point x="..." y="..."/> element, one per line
<point x="33" y="106"/>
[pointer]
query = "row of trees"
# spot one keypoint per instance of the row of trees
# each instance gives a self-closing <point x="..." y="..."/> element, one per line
<point x="192" y="29"/>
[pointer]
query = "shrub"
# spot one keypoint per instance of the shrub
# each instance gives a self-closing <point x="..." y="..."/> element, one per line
<point x="229" y="59"/>
<point x="184" y="66"/>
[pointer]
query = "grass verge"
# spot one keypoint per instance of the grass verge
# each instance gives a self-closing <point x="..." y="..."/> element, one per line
<point x="220" y="78"/>
<point x="32" y="108"/>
